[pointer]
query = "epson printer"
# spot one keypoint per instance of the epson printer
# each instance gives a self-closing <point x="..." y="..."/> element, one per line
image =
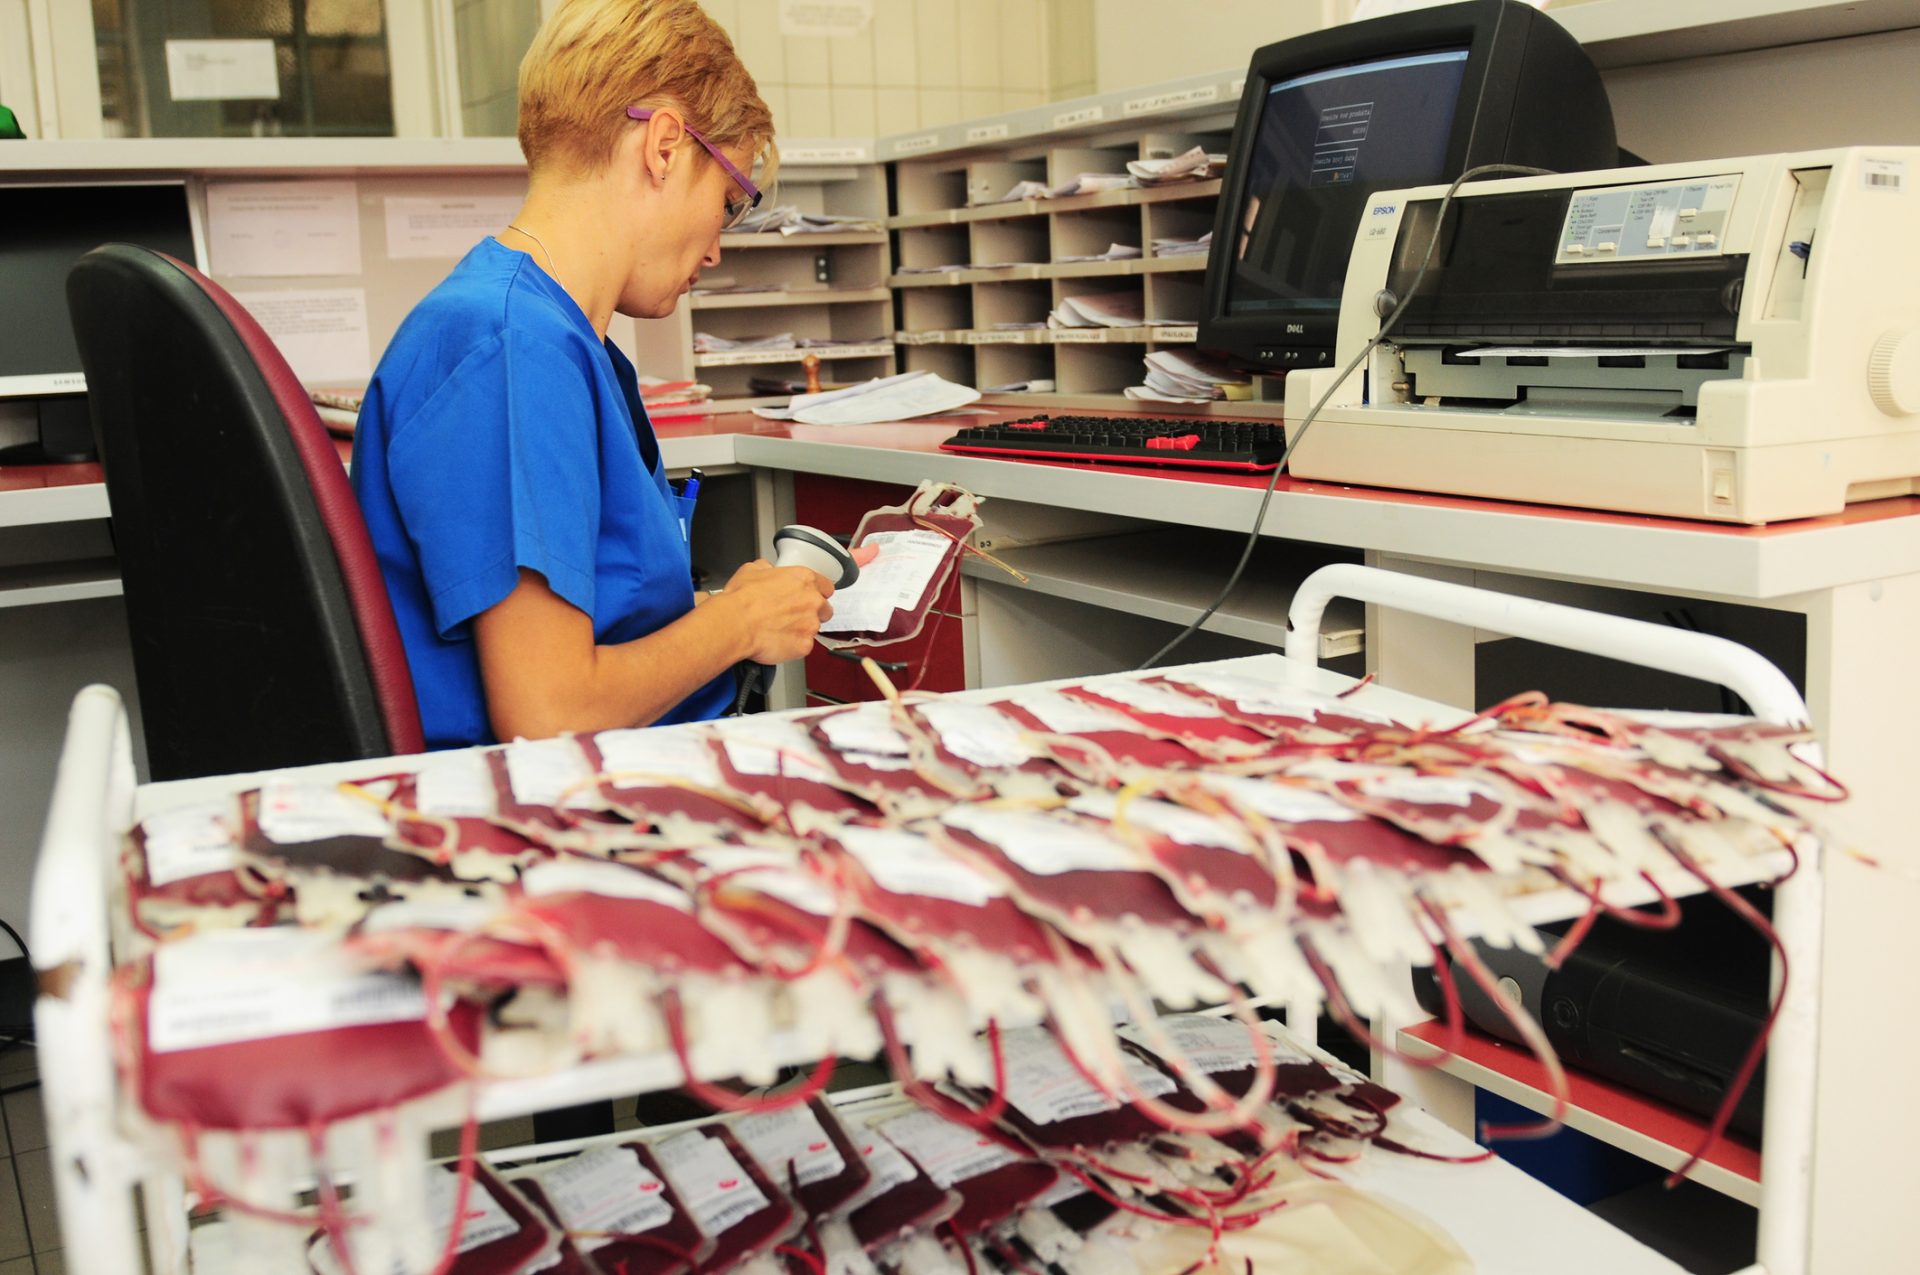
<point x="1731" y="339"/>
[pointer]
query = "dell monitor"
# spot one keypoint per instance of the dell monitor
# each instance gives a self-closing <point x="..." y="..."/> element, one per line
<point x="44" y="229"/>
<point x="1329" y="118"/>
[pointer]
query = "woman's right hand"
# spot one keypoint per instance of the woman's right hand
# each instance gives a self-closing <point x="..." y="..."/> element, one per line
<point x="780" y="609"/>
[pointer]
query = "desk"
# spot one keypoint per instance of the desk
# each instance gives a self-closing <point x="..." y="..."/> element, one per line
<point x="1854" y="578"/>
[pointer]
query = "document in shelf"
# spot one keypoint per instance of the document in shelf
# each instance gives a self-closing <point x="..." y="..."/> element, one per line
<point x="1172" y="247"/>
<point x="444" y="225"/>
<point x="222" y="70"/>
<point x="708" y="343"/>
<point x="284" y="228"/>
<point x="1194" y="165"/>
<point x="322" y="332"/>
<point x="891" y="398"/>
<point x="893" y="581"/>
<point x="1114" y="252"/>
<point x="1100" y="310"/>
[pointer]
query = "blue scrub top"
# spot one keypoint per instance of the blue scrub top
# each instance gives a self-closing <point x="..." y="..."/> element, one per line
<point x="500" y="432"/>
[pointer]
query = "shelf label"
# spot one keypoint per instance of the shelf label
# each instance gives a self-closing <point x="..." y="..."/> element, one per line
<point x="914" y="145"/>
<point x="1238" y="86"/>
<point x="988" y="132"/>
<point x="1169" y="101"/>
<point x="1177" y="332"/>
<point x="987" y="336"/>
<point x="1085" y="115"/>
<point x="1079" y="336"/>
<point x="824" y="154"/>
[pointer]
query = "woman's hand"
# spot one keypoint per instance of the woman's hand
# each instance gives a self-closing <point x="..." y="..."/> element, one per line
<point x="780" y="609"/>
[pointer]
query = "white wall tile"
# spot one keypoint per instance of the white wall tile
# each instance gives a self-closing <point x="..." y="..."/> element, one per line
<point x="725" y="12"/>
<point x="977" y="102"/>
<point x="980" y="44"/>
<point x="809" y="112"/>
<point x="896" y="48"/>
<point x="898" y="110"/>
<point x="775" y="96"/>
<point x="851" y="58"/>
<point x="937" y="36"/>
<point x="938" y="106"/>
<point x="853" y="113"/>
<point x="757" y="38"/>
<point x="809" y="60"/>
<point x="1023" y="45"/>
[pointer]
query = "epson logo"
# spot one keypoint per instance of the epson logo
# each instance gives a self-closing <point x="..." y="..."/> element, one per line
<point x="1384" y="210"/>
<point x="1296" y="329"/>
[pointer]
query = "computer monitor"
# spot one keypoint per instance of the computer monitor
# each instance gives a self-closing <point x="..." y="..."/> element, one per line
<point x="44" y="229"/>
<point x="1329" y="118"/>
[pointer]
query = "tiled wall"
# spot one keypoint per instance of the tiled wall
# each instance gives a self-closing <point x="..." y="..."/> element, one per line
<point x="919" y="63"/>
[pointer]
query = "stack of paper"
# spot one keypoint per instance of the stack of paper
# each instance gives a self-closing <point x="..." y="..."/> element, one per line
<point x="834" y="342"/>
<point x="674" y="400"/>
<point x="1183" y="247"/>
<point x="930" y="269"/>
<point x="1025" y="190"/>
<point x="789" y="220"/>
<point x="1088" y="183"/>
<point x="1114" y="252"/>
<point x="1039" y="385"/>
<point x="1175" y="376"/>
<point x="1195" y="165"/>
<point x="891" y="398"/>
<point x="1100" y="310"/>
<point x="707" y="343"/>
<point x="726" y="287"/>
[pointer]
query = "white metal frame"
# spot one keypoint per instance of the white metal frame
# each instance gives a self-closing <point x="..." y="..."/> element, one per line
<point x="96" y="1167"/>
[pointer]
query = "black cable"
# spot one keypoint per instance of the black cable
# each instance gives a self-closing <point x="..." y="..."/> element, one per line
<point x="15" y="936"/>
<point x="1366" y="351"/>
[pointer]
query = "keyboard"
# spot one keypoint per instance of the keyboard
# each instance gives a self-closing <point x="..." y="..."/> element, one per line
<point x="1188" y="441"/>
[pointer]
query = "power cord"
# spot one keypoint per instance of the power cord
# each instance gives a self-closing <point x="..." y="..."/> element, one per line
<point x="1306" y="423"/>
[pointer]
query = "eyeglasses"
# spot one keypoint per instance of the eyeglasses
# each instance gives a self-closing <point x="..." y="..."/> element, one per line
<point x="737" y="209"/>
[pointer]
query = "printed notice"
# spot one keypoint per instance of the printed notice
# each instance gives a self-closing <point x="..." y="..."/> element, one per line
<point x="604" y="1194"/>
<point x="322" y="332"/>
<point x="711" y="1183"/>
<point x="429" y="226"/>
<point x="222" y="70"/>
<point x="293" y="228"/>
<point x="792" y="1143"/>
<point x="839" y="18"/>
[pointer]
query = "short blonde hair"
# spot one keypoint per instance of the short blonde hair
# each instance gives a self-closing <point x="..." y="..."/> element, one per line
<point x="592" y="59"/>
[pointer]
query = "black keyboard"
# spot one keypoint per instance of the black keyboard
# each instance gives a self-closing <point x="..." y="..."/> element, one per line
<point x="1197" y="442"/>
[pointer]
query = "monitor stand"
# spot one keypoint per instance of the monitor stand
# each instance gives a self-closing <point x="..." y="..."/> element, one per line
<point x="66" y="435"/>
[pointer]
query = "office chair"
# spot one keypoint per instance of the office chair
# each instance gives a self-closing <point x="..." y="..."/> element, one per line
<point x="262" y="631"/>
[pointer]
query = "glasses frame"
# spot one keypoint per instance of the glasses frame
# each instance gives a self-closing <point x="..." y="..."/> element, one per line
<point x="737" y="210"/>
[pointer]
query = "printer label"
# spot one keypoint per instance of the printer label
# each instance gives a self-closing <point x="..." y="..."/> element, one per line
<point x="1887" y="176"/>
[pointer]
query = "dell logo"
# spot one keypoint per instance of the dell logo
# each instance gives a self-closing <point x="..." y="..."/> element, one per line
<point x="1382" y="210"/>
<point x="1296" y="329"/>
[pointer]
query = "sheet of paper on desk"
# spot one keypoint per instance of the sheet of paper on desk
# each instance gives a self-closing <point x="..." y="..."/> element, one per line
<point x="892" y="398"/>
<point x="1581" y="351"/>
<point x="893" y="581"/>
<point x="283" y="228"/>
<point x="321" y="331"/>
<point x="444" y="225"/>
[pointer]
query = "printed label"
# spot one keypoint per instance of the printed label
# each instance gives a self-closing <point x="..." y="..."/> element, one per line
<point x="1043" y="845"/>
<point x="865" y="730"/>
<point x="671" y="754"/>
<point x="947" y="1152"/>
<point x="1168" y="333"/>
<point x="483" y="1222"/>
<point x="1046" y="1088"/>
<point x="824" y="154"/>
<point x="455" y="785"/>
<point x="886" y="1167"/>
<point x="914" y="145"/>
<point x="773" y="746"/>
<point x="1284" y="802"/>
<point x="1149" y="699"/>
<point x="791" y="1137"/>
<point x="988" y="132"/>
<point x="977" y="733"/>
<point x="609" y="880"/>
<point x="604" y="1190"/>
<point x="905" y="863"/>
<point x="294" y="813"/>
<point x="1079" y="336"/>
<point x="716" y="1190"/>
<point x="1887" y="176"/>
<point x="1428" y="790"/>
<point x="1085" y="115"/>
<point x="1170" y="100"/>
<point x="1211" y="1044"/>
<point x="193" y="841"/>
<point x="539" y="771"/>
<point x="1165" y="818"/>
<point x="225" y="986"/>
<point x="771" y="873"/>
<point x="1238" y="87"/>
<point x="1069" y="715"/>
<point x="1258" y="695"/>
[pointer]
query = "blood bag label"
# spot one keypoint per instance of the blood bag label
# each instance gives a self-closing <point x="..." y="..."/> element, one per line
<point x="771" y="873"/>
<point x="1041" y="844"/>
<point x="1277" y="699"/>
<point x="905" y="863"/>
<point x="681" y="755"/>
<point x="1070" y="716"/>
<point x="293" y="814"/>
<point x="194" y="841"/>
<point x="771" y="747"/>
<point x="605" y="1190"/>
<point x="1428" y="790"/>
<point x="977" y="733"/>
<point x="541" y="771"/>
<point x="455" y="785"/>
<point x="793" y="1137"/>
<point x="1174" y="822"/>
<point x="1284" y="802"/>
<point x="896" y="580"/>
<point x="865" y="730"/>
<point x="1211" y="1044"/>
<point x="609" y="880"/>
<point x="714" y="1187"/>
<point x="1045" y="1087"/>
<point x="946" y="1151"/>
<point x="226" y="986"/>
<point x="885" y="1165"/>
<point x="1149" y="699"/>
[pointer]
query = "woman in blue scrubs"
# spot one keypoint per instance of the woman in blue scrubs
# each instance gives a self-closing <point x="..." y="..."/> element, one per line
<point x="508" y="474"/>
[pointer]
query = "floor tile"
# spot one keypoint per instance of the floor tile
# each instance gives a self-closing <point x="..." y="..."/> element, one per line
<point x="53" y="1263"/>
<point x="18" y="1063"/>
<point x="13" y="1227"/>
<point x="18" y="1266"/>
<point x="26" y="1121"/>
<point x="36" y="1187"/>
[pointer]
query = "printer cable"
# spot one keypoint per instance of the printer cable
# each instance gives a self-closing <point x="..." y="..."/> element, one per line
<point x="1306" y="423"/>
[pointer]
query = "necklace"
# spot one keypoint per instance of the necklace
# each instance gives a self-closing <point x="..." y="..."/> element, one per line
<point x="552" y="268"/>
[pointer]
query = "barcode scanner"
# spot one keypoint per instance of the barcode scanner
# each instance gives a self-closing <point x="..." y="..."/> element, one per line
<point x="798" y="546"/>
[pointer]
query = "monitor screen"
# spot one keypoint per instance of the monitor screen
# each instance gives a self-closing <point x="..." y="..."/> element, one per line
<point x="43" y="231"/>
<point x="1325" y="141"/>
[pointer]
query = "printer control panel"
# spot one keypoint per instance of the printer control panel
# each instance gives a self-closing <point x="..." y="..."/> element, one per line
<point x="1638" y="223"/>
